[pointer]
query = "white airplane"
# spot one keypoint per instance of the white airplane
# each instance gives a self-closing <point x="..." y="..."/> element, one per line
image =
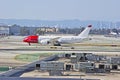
<point x="58" y="40"/>
<point x="113" y="34"/>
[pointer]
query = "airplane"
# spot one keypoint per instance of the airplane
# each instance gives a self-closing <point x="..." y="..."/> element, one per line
<point x="113" y="34"/>
<point x="58" y="40"/>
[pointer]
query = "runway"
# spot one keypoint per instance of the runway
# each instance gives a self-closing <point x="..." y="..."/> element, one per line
<point x="97" y="50"/>
<point x="98" y="44"/>
<point x="21" y="78"/>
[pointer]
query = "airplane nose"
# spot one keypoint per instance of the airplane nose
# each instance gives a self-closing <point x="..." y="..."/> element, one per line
<point x="31" y="39"/>
<point x="25" y="39"/>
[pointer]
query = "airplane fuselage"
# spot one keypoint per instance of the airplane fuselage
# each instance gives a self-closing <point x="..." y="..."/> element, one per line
<point x="64" y="39"/>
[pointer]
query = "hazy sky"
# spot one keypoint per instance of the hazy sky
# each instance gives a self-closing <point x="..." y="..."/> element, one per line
<point x="107" y="10"/>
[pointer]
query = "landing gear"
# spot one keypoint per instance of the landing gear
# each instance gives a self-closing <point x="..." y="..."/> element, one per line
<point x="57" y="44"/>
<point x="72" y="48"/>
<point x="29" y="44"/>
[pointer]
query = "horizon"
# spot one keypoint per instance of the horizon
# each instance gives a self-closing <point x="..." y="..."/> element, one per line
<point x="58" y="20"/>
<point x="62" y="23"/>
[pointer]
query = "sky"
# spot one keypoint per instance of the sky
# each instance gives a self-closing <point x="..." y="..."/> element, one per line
<point x="105" y="10"/>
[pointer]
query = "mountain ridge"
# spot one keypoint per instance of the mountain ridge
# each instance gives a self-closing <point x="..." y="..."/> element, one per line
<point x="60" y="23"/>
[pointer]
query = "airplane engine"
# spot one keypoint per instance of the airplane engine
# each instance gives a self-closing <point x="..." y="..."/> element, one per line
<point x="45" y="41"/>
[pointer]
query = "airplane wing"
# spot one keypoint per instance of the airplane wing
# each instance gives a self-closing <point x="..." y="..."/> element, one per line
<point x="54" y="40"/>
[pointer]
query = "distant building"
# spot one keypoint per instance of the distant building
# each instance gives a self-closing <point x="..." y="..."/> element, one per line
<point x="24" y="30"/>
<point x="4" y="30"/>
<point x="32" y="30"/>
<point x="49" y="29"/>
<point x="45" y="30"/>
<point x="15" y="29"/>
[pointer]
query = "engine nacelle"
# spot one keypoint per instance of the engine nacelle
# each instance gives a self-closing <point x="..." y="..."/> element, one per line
<point x="45" y="42"/>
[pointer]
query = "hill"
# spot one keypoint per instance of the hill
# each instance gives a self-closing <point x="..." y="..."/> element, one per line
<point x="61" y="23"/>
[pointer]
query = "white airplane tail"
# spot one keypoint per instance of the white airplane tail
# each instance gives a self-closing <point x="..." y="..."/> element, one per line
<point x="85" y="32"/>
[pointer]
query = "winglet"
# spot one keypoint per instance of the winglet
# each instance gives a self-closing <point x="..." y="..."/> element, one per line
<point x="89" y="26"/>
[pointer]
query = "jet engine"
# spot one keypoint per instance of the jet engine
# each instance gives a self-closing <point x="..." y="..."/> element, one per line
<point x="45" y="41"/>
